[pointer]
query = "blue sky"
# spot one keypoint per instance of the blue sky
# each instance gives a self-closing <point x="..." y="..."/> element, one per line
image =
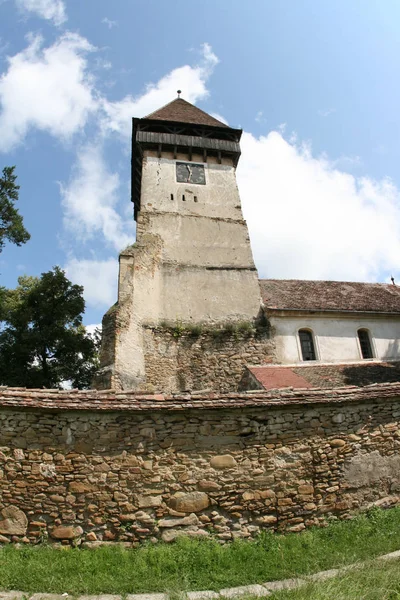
<point x="314" y="85"/>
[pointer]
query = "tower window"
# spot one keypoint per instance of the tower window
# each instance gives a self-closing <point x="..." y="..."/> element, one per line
<point x="307" y="344"/>
<point x="195" y="198"/>
<point x="365" y="343"/>
<point x="183" y="197"/>
<point x="172" y="196"/>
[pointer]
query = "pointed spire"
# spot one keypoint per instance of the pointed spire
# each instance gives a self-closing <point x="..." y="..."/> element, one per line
<point x="181" y="111"/>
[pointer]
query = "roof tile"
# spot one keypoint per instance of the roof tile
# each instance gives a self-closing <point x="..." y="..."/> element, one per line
<point x="341" y="296"/>
<point x="272" y="378"/>
<point x="107" y="401"/>
<point x="327" y="376"/>
<point x="181" y="111"/>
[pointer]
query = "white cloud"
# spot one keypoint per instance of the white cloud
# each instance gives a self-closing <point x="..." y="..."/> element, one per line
<point x="308" y="219"/>
<point x="219" y="117"/>
<point x="52" y="10"/>
<point x="90" y="200"/>
<point x="90" y="329"/>
<point x="98" y="277"/>
<point x="326" y="112"/>
<point x="110" y="24"/>
<point x="260" y="117"/>
<point x="191" y="80"/>
<point x="46" y="88"/>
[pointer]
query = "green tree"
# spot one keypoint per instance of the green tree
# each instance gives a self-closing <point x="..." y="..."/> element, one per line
<point x="11" y="224"/>
<point x="43" y="342"/>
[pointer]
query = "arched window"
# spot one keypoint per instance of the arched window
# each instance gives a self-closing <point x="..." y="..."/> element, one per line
<point x="365" y="343"/>
<point x="307" y="344"/>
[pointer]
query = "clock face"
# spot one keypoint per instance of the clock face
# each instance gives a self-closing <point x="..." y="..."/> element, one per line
<point x="190" y="173"/>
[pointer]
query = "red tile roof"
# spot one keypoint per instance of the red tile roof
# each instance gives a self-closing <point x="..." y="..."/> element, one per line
<point x="181" y="111"/>
<point x="314" y="375"/>
<point x="273" y="378"/>
<point x="341" y="296"/>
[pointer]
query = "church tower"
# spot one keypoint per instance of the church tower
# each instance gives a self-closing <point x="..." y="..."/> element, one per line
<point x="191" y="265"/>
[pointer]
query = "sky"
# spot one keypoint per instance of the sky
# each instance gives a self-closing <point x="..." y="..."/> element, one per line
<point x="314" y="85"/>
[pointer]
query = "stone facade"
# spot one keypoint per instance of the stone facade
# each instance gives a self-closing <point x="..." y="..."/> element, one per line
<point x="101" y="468"/>
<point x="178" y="359"/>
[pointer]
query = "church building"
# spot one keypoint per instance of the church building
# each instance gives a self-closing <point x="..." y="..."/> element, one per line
<point x="191" y="312"/>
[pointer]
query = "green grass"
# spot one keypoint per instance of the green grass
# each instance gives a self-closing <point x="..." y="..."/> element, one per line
<point x="194" y="565"/>
<point x="379" y="581"/>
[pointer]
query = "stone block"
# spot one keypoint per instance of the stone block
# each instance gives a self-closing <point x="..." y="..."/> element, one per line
<point x="338" y="443"/>
<point x="147" y="597"/>
<point x="284" y="584"/>
<point x="245" y="590"/>
<point x="148" y="501"/>
<point x="191" y="502"/>
<point x="14" y="521"/>
<point x="224" y="461"/>
<point x="100" y="597"/>
<point x="77" y="487"/>
<point x="190" y="520"/>
<point x="65" y="532"/>
<point x="202" y="595"/>
<point x="40" y="596"/>
<point x="170" y="535"/>
<point x="206" y="485"/>
<point x="306" y="489"/>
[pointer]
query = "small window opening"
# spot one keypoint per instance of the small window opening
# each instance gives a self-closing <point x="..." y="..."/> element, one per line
<point x="183" y="197"/>
<point x="172" y="196"/>
<point x="365" y="343"/>
<point x="307" y="344"/>
<point x="195" y="198"/>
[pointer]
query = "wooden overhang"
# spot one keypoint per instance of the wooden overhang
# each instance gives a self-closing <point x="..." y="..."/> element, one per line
<point x="175" y="137"/>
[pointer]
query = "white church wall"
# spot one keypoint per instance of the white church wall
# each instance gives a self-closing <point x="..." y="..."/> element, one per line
<point x="335" y="338"/>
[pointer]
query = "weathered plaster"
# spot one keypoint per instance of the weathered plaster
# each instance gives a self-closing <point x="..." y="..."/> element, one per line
<point x="336" y="337"/>
<point x="191" y="264"/>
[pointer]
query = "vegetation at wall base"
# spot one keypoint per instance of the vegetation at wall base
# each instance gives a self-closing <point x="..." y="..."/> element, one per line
<point x="190" y="564"/>
<point x="228" y="329"/>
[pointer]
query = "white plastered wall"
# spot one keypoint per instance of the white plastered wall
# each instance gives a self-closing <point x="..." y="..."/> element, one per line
<point x="192" y="262"/>
<point x="335" y="338"/>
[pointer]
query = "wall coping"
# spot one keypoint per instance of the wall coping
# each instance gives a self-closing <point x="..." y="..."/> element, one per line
<point x="132" y="400"/>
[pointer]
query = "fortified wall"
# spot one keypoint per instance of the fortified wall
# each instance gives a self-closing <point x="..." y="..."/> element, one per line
<point x="193" y="358"/>
<point x="99" y="467"/>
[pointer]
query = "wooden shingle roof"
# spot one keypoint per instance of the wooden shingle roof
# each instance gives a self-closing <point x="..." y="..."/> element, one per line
<point x="181" y="111"/>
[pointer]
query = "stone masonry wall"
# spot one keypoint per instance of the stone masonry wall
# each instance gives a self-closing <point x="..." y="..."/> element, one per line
<point x="225" y="466"/>
<point x="182" y="360"/>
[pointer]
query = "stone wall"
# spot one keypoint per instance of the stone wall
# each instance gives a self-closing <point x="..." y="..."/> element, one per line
<point x="180" y="360"/>
<point x="93" y="467"/>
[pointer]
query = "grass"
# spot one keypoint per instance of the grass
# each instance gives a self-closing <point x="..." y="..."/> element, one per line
<point x="194" y="565"/>
<point x="379" y="581"/>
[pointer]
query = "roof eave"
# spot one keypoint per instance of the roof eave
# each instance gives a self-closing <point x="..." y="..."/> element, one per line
<point x="330" y="312"/>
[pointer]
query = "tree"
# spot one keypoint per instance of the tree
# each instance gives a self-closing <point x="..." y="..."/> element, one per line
<point x="11" y="224"/>
<point x="43" y="342"/>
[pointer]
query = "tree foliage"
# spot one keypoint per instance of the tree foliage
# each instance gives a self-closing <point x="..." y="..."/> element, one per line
<point x="11" y="224"/>
<point x="43" y="342"/>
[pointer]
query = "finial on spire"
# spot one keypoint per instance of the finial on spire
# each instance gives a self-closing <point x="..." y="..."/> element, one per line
<point x="179" y="92"/>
